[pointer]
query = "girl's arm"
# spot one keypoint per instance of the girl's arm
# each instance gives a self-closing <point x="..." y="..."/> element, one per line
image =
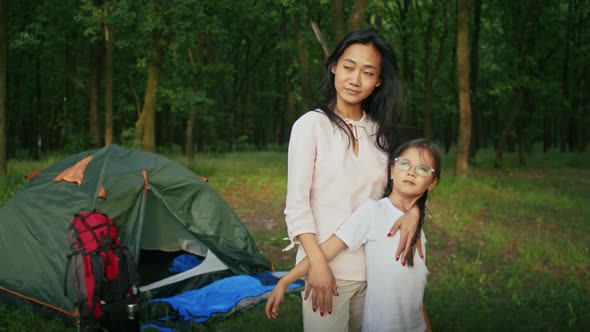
<point x="329" y="250"/>
<point x="426" y="320"/>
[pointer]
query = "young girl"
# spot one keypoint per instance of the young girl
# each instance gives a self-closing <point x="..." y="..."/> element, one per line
<point x="394" y="293"/>
<point x="337" y="160"/>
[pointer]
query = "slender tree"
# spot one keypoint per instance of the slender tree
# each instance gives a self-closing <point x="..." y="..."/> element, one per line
<point x="93" y="83"/>
<point x="476" y="119"/>
<point x="109" y="43"/>
<point x="3" y="66"/>
<point x="461" y="166"/>
<point x="433" y="62"/>
<point x="158" y="46"/>
<point x="338" y="19"/>
<point x="197" y="68"/>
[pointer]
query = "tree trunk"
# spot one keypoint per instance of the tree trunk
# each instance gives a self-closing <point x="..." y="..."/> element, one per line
<point x="320" y="37"/>
<point x="378" y="16"/>
<point x="505" y="134"/>
<point x="476" y="119"/>
<point x="3" y="66"/>
<point x="522" y="44"/>
<point x="148" y="113"/>
<point x="135" y="95"/>
<point x="338" y="20"/>
<point x="305" y="69"/>
<point x="428" y="73"/>
<point x="109" y="37"/>
<point x="196" y="65"/>
<point x="93" y="121"/>
<point x="448" y="132"/>
<point x="564" y="115"/>
<point x="547" y="130"/>
<point x="461" y="166"/>
<point x="358" y="16"/>
<point x="407" y="64"/>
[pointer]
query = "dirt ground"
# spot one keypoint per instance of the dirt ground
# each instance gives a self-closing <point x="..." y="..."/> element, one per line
<point x="264" y="218"/>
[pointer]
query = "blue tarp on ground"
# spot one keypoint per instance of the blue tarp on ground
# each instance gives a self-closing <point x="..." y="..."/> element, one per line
<point x="184" y="262"/>
<point x="224" y="296"/>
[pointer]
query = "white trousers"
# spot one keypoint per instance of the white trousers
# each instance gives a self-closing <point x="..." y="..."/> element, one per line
<point x="347" y="309"/>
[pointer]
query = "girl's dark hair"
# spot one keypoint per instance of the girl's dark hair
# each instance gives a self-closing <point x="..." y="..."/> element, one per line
<point x="385" y="102"/>
<point x="426" y="145"/>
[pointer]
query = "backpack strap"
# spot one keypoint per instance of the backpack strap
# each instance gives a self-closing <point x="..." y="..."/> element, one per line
<point x="66" y="275"/>
<point x="131" y="268"/>
<point x="98" y="274"/>
<point x="105" y="245"/>
<point x="90" y="229"/>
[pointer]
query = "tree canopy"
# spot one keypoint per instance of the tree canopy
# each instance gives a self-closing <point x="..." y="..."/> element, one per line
<point x="198" y="75"/>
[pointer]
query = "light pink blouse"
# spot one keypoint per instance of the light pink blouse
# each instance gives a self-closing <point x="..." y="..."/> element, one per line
<point x="327" y="181"/>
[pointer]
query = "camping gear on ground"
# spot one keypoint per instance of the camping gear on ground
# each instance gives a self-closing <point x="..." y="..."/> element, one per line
<point x="218" y="299"/>
<point x="100" y="270"/>
<point x="161" y="208"/>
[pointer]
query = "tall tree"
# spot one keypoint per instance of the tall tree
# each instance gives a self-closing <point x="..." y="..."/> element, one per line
<point x="523" y="17"/>
<point x="3" y="66"/>
<point x="461" y="166"/>
<point x="476" y="119"/>
<point x="197" y="69"/>
<point x="433" y="62"/>
<point x="93" y="121"/>
<point x="109" y="42"/>
<point x="359" y="13"/>
<point x="338" y="19"/>
<point x="158" y="45"/>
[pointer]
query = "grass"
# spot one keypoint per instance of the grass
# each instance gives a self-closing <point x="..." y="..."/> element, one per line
<point x="507" y="248"/>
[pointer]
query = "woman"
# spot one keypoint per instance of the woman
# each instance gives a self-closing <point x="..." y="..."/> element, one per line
<point x="338" y="160"/>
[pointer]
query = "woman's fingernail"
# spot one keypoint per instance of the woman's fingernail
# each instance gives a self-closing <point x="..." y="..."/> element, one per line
<point x="313" y="308"/>
<point x="329" y="312"/>
<point x="305" y="298"/>
<point x="389" y="234"/>
<point x="321" y="313"/>
<point x="404" y="263"/>
<point x="421" y="256"/>
<point x="397" y="258"/>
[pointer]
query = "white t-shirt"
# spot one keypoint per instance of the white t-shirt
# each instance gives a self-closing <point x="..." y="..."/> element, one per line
<point x="327" y="182"/>
<point x="394" y="292"/>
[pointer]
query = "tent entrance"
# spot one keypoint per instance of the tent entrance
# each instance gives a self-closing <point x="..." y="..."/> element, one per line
<point x="163" y="238"/>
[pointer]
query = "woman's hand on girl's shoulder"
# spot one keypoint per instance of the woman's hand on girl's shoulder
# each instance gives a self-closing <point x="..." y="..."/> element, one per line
<point x="407" y="225"/>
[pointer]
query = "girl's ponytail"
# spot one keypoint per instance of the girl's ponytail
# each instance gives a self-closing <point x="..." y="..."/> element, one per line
<point x="422" y="217"/>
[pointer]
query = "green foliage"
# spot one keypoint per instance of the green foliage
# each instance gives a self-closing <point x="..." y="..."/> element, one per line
<point x="251" y="59"/>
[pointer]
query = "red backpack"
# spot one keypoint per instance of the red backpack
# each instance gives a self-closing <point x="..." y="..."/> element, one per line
<point x="101" y="269"/>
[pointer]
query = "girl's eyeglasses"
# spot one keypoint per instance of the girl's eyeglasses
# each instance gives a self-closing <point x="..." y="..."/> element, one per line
<point x="405" y="164"/>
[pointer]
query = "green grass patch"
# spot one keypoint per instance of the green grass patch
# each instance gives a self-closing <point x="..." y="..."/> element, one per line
<point x="507" y="248"/>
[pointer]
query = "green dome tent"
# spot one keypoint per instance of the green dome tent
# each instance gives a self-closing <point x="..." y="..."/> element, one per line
<point x="157" y="205"/>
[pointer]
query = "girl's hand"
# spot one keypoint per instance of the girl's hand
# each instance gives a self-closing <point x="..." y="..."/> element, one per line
<point x="274" y="300"/>
<point x="407" y="225"/>
<point x="322" y="284"/>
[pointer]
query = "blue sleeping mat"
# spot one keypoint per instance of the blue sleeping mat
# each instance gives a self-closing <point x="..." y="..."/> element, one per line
<point x="223" y="297"/>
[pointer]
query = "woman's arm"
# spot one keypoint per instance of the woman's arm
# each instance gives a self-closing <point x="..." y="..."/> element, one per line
<point x="407" y="225"/>
<point x="298" y="212"/>
<point x="329" y="250"/>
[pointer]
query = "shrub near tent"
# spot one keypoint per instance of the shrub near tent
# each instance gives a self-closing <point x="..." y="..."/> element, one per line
<point x="158" y="205"/>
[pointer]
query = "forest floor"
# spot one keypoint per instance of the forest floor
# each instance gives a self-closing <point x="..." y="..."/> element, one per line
<point x="507" y="248"/>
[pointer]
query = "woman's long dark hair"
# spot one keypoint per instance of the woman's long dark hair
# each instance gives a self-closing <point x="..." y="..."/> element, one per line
<point x="425" y="145"/>
<point x="385" y="102"/>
